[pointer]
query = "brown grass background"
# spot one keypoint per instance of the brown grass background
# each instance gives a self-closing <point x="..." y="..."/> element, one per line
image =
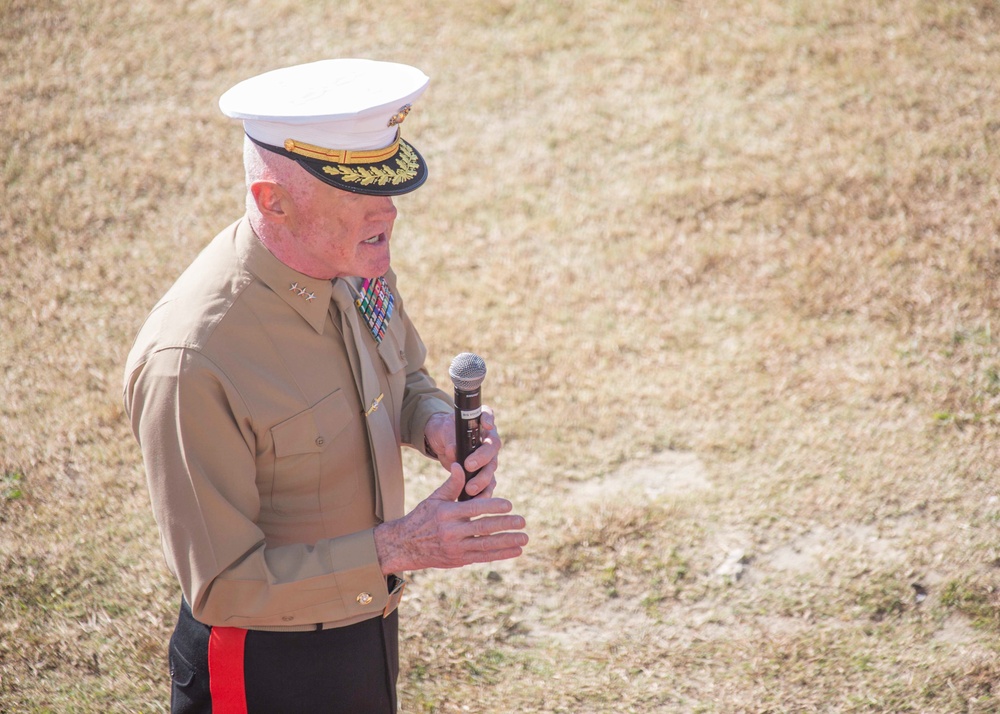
<point x="733" y="267"/>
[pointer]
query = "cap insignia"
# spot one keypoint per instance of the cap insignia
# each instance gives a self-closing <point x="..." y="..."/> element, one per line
<point x="399" y="116"/>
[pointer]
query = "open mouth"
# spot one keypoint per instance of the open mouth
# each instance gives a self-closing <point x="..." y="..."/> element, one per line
<point x="374" y="239"/>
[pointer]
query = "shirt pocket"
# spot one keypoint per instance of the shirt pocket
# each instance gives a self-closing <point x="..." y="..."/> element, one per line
<point x="302" y="445"/>
<point x="391" y="348"/>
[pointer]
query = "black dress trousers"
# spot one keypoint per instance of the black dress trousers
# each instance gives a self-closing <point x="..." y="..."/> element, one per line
<point x="229" y="670"/>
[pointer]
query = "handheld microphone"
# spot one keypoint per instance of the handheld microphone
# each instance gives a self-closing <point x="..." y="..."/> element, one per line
<point x="467" y="373"/>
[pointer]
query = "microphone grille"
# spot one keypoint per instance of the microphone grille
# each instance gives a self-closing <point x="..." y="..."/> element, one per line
<point x="467" y="371"/>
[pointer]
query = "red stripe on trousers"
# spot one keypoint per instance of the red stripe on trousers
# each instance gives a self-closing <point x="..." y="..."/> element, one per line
<point x="225" y="670"/>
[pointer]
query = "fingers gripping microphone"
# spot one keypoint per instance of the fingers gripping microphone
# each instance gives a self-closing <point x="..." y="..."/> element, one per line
<point x="467" y="372"/>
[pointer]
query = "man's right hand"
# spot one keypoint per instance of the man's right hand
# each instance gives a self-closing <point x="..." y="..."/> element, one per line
<point x="443" y="533"/>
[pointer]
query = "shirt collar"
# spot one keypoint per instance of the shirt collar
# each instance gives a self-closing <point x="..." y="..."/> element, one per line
<point x="310" y="297"/>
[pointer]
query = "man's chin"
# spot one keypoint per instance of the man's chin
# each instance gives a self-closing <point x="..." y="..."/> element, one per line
<point x="376" y="270"/>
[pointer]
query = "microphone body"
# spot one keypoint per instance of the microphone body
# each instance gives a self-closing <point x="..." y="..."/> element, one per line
<point x="467" y="372"/>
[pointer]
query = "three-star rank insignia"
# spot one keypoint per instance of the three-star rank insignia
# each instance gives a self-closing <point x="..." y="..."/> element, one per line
<point x="302" y="292"/>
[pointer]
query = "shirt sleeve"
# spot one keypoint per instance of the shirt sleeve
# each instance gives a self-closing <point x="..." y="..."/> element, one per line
<point x="198" y="451"/>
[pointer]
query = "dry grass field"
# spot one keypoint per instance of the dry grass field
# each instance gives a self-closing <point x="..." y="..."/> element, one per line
<point x="733" y="267"/>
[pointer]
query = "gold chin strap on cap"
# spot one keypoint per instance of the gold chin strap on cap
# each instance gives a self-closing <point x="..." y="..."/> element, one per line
<point x="342" y="156"/>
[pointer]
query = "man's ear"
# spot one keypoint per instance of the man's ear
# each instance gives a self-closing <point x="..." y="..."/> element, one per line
<point x="273" y="201"/>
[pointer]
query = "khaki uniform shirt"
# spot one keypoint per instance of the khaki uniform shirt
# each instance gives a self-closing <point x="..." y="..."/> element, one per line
<point x="241" y="392"/>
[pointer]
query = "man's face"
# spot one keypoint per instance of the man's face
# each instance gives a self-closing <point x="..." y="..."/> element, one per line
<point x="343" y="234"/>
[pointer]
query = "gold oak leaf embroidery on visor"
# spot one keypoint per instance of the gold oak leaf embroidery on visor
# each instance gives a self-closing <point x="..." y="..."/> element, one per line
<point x="406" y="160"/>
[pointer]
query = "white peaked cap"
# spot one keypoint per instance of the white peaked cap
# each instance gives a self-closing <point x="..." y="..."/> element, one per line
<point x="326" y="115"/>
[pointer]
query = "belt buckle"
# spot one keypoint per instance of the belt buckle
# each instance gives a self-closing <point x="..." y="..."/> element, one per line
<point x="396" y="586"/>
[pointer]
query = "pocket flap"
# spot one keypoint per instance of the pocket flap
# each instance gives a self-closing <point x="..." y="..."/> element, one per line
<point x="314" y="429"/>
<point x="390" y="349"/>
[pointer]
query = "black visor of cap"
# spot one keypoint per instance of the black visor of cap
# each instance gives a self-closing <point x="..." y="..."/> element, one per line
<point x="401" y="173"/>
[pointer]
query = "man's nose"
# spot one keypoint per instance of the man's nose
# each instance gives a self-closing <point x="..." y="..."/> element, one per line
<point x="383" y="208"/>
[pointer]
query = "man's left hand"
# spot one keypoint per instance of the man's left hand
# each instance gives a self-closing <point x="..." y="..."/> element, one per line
<point x="440" y="433"/>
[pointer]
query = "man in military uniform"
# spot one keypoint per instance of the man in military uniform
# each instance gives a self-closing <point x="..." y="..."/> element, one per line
<point x="270" y="390"/>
